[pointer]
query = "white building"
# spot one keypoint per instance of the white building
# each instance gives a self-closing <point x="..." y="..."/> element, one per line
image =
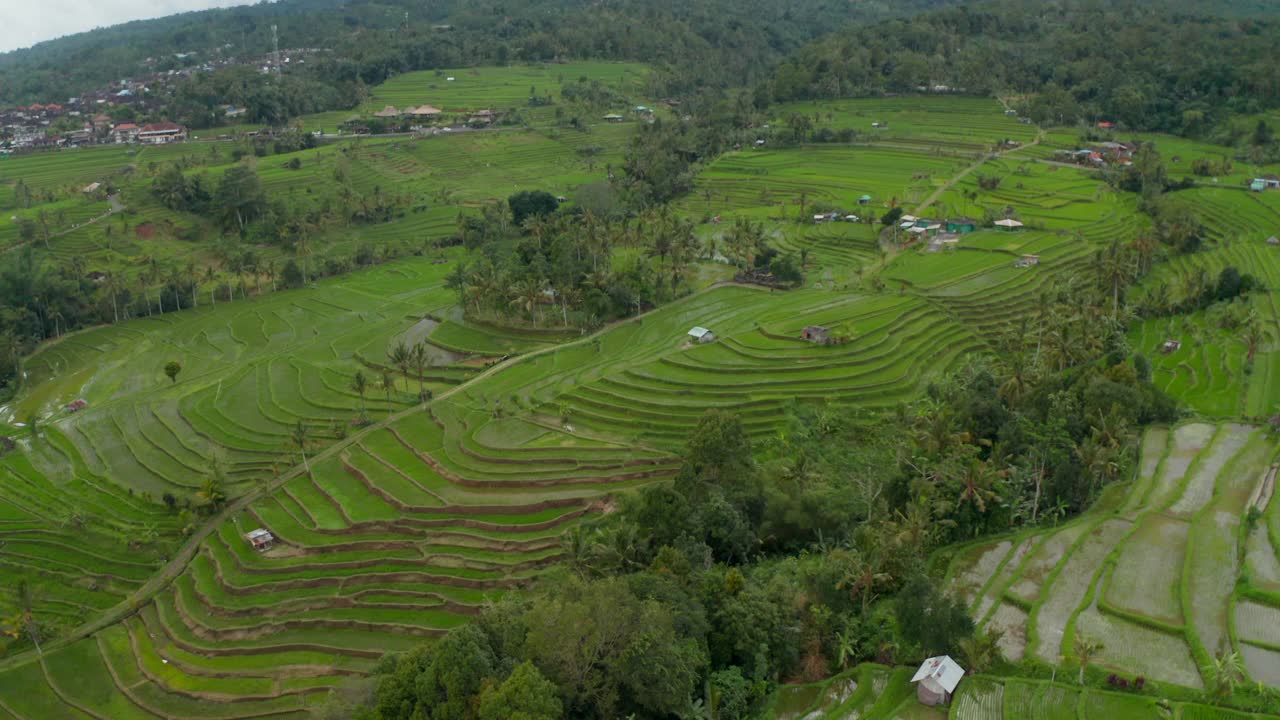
<point x="702" y="335"/>
<point x="937" y="678"/>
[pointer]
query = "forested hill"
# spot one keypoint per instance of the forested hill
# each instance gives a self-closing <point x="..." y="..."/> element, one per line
<point x="705" y="42"/>
<point x="1169" y="66"/>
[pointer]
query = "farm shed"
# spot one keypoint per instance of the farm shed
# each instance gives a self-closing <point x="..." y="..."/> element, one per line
<point x="1273" y="240"/>
<point x="1008" y="224"/>
<point x="1171" y="346"/>
<point x="613" y="118"/>
<point x="937" y="679"/>
<point x="702" y="335"/>
<point x="1027" y="261"/>
<point x="260" y="539"/>
<point x="1258" y="185"/>
<point x="91" y="188"/>
<point x="77" y="405"/>
<point x="864" y="199"/>
<point x="962" y="225"/>
<point x="817" y="334"/>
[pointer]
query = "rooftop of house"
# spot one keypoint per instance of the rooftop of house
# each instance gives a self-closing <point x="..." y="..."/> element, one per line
<point x="941" y="670"/>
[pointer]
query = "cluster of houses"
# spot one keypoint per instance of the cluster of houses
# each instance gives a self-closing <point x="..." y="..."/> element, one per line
<point x="644" y="112"/>
<point x="1100" y="155"/>
<point x="82" y="120"/>
<point x="418" y="117"/>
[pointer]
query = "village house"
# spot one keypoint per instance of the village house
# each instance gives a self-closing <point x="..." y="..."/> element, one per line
<point x="481" y="118"/>
<point x="937" y="679"/>
<point x="161" y="133"/>
<point x="702" y="335"/>
<point x="389" y="111"/>
<point x="423" y="111"/>
<point x="613" y="118"/>
<point x="816" y="334"/>
<point x="962" y="225"/>
<point x="260" y="539"/>
<point x="1265" y="182"/>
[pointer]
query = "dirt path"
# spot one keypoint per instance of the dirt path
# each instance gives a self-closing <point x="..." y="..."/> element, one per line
<point x="964" y="173"/>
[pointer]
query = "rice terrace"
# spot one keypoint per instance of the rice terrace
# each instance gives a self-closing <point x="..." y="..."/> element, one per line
<point x="467" y="366"/>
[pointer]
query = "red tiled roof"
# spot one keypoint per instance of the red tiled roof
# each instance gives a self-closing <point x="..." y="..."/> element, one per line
<point x="161" y="127"/>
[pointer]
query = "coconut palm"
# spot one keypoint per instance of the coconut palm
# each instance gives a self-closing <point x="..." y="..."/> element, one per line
<point x="360" y="384"/>
<point x="387" y="382"/>
<point x="526" y="295"/>
<point x="300" y="437"/>
<point x="23" y="620"/>
<point x="211" y="494"/>
<point x="400" y="357"/>
<point x="421" y="358"/>
<point x="1086" y="649"/>
<point x="981" y="650"/>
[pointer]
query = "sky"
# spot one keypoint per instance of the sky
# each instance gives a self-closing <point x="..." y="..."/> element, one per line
<point x="41" y="20"/>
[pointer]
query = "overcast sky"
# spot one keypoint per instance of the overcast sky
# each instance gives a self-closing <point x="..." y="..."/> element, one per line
<point x="27" y="22"/>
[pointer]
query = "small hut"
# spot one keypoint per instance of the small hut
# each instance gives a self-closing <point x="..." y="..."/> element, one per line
<point x="1171" y="346"/>
<point x="1008" y="224"/>
<point x="1273" y="241"/>
<point x="864" y="199"/>
<point x="937" y="679"/>
<point x="260" y="539"/>
<point x="77" y="405"/>
<point x="817" y="334"/>
<point x="702" y="335"/>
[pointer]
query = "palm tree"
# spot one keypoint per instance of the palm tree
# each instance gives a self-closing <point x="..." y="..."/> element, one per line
<point x="211" y="494"/>
<point x="421" y="357"/>
<point x="193" y="276"/>
<point x="299" y="437"/>
<point x="210" y="278"/>
<point x="1253" y="333"/>
<point x="360" y="384"/>
<point x="23" y="620"/>
<point x="388" y="383"/>
<point x="113" y="287"/>
<point x="527" y="295"/>
<point x="981" y="650"/>
<point x="401" y="358"/>
<point x="1086" y="649"/>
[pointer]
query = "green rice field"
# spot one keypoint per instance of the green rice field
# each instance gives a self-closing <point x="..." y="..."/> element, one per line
<point x="392" y="532"/>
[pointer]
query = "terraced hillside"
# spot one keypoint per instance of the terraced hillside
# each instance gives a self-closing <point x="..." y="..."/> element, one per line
<point x="1153" y="571"/>
<point x="390" y="533"/>
<point x="1211" y="370"/>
